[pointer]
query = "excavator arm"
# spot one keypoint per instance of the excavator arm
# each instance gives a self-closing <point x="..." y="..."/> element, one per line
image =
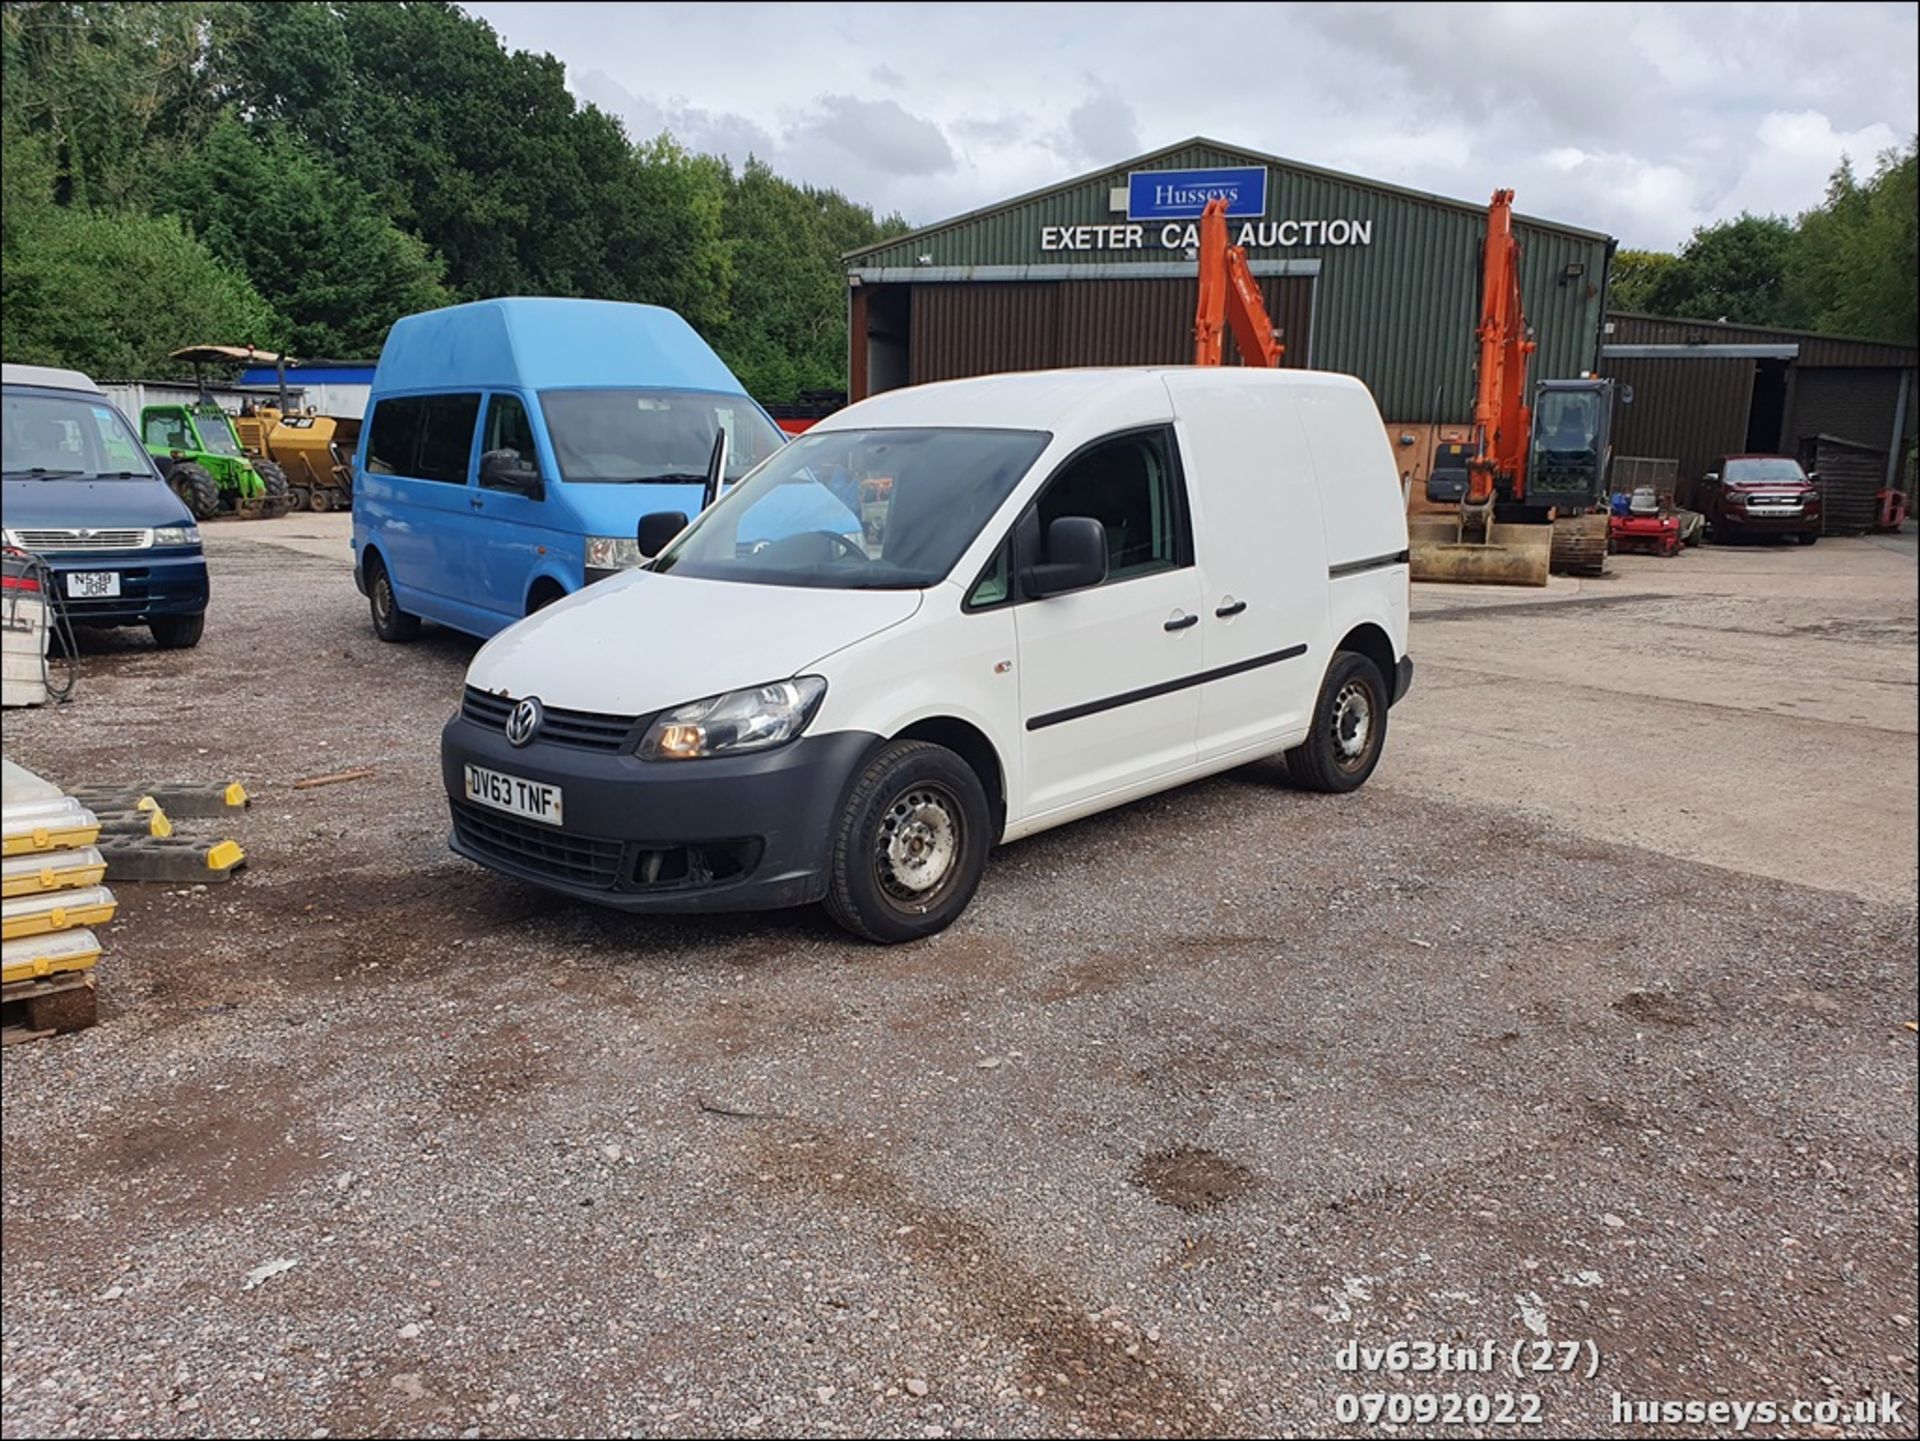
<point x="1502" y="422"/>
<point x="1229" y="297"/>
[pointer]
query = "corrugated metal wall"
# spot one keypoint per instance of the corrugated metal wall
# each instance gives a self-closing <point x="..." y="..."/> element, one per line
<point x="1694" y="411"/>
<point x="1399" y="312"/>
<point x="979" y="327"/>
<point x="1632" y="328"/>
<point x="1852" y="403"/>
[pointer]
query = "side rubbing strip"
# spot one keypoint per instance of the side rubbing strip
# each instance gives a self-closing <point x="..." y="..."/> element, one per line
<point x="1166" y="687"/>
<point x="1355" y="567"/>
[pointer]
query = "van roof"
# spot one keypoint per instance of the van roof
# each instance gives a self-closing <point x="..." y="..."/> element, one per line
<point x="50" y="376"/>
<point x="1044" y="399"/>
<point x="549" y="344"/>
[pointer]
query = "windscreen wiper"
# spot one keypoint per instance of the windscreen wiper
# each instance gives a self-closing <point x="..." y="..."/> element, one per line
<point x="40" y="472"/>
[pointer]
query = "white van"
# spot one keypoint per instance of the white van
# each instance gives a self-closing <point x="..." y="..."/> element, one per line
<point x="1051" y="593"/>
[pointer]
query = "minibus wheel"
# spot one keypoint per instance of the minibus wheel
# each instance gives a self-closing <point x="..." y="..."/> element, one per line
<point x="390" y="623"/>
<point x="909" y="845"/>
<point x="1349" y="727"/>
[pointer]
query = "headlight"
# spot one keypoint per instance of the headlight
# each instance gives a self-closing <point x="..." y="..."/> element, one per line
<point x="740" y="720"/>
<point x="613" y="552"/>
<point x="177" y="535"/>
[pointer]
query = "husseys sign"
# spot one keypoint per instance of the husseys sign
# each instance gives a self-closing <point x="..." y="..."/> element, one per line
<point x="1163" y="205"/>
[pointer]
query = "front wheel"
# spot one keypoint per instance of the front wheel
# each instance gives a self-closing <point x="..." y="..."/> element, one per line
<point x="390" y="623"/>
<point x="178" y="632"/>
<point x="1807" y="537"/>
<point x="195" y="485"/>
<point x="910" y="844"/>
<point x="1349" y="727"/>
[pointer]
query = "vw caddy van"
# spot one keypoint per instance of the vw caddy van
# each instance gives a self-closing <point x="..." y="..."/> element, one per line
<point x="1061" y="591"/>
<point x="82" y="493"/>
<point x="511" y="445"/>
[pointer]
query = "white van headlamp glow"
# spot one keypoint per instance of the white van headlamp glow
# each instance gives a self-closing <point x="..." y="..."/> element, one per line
<point x="740" y="720"/>
<point x="613" y="552"/>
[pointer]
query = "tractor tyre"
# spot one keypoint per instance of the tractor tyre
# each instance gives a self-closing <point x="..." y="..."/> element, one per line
<point x="279" y="497"/>
<point x="194" y="485"/>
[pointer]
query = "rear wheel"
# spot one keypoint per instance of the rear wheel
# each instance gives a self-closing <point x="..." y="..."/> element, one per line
<point x="1349" y="727"/>
<point x="195" y="485"/>
<point x="910" y="845"/>
<point x="320" y="499"/>
<point x="178" y="632"/>
<point x="302" y="497"/>
<point x="390" y="623"/>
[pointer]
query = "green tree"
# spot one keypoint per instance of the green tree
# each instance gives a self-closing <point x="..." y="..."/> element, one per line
<point x="1855" y="259"/>
<point x="115" y="89"/>
<point x="1736" y="269"/>
<point x="1635" y="275"/>
<point x="112" y="292"/>
<point x="788" y="330"/>
<point x="316" y="244"/>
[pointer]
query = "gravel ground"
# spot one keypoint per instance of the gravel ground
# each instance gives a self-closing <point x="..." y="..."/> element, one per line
<point x="1112" y="1155"/>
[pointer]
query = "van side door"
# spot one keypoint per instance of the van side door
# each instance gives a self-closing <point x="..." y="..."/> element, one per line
<point x="1263" y="564"/>
<point x="511" y="533"/>
<point x="415" y="493"/>
<point x="1107" y="692"/>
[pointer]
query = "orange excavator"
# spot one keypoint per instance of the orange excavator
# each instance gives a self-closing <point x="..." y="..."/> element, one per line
<point x="1229" y="297"/>
<point x="1536" y="474"/>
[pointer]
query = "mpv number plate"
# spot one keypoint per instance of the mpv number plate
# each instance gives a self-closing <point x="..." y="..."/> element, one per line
<point x="93" y="584"/>
<point x="511" y="794"/>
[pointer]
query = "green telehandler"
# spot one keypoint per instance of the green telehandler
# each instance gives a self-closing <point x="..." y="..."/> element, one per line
<point x="200" y="455"/>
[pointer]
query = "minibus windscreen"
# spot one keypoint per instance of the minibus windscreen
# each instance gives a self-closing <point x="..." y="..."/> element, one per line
<point x="612" y="437"/>
<point x="858" y="509"/>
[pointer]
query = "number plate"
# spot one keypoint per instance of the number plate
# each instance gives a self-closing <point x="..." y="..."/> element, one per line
<point x="93" y="584"/>
<point x="514" y="796"/>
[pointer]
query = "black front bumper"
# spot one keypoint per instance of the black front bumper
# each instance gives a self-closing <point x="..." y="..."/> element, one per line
<point x="740" y="833"/>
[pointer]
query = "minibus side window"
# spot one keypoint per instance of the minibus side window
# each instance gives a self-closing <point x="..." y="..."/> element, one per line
<point x="446" y="437"/>
<point x="393" y="434"/>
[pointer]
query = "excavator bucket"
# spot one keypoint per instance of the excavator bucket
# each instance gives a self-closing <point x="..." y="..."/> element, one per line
<point x="1512" y="554"/>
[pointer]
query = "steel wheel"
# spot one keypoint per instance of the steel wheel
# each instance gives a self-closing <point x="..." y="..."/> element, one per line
<point x="1352" y="725"/>
<point x="917" y="847"/>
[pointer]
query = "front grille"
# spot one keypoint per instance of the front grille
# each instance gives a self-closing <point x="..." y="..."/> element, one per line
<point x="582" y="729"/>
<point x="59" y="542"/>
<point x="559" y="855"/>
<point x="1773" y="502"/>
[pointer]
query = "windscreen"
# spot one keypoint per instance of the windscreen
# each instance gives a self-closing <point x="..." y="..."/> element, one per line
<point x="1567" y="422"/>
<point x="58" y="437"/>
<point x="614" y="437"/>
<point x="216" y="435"/>
<point x="1766" y="468"/>
<point x="858" y="509"/>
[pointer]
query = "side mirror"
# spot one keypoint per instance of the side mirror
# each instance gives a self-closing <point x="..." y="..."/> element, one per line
<point x="505" y="470"/>
<point x="1078" y="545"/>
<point x="657" y="528"/>
<point x="1812" y="476"/>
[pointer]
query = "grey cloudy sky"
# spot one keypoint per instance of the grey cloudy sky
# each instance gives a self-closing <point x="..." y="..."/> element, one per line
<point x="1640" y="120"/>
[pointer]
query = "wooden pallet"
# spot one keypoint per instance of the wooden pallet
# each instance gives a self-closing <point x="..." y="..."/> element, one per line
<point x="33" y="1010"/>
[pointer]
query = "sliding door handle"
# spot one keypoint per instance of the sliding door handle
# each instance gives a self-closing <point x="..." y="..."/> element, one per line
<point x="1232" y="609"/>
<point x="1181" y="622"/>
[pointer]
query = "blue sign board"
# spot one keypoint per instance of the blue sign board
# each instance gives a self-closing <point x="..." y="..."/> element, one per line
<point x="1183" y="194"/>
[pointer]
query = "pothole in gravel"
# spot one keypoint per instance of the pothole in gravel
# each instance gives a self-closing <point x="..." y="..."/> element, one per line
<point x="1191" y="1179"/>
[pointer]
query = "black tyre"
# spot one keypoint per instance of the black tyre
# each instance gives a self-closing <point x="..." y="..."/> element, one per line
<point x="1807" y="537"/>
<point x="279" y="499"/>
<point x="194" y="485"/>
<point x="320" y="499"/>
<point x="1349" y="727"/>
<point x="390" y="623"/>
<point x="910" y="845"/>
<point x="178" y="632"/>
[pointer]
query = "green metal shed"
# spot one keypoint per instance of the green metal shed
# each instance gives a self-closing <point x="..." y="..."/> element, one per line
<point x="1363" y="277"/>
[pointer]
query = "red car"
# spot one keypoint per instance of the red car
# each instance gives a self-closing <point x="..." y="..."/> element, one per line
<point x="1760" y="495"/>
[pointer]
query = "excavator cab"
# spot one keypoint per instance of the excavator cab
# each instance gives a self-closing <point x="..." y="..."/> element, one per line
<point x="1572" y="421"/>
